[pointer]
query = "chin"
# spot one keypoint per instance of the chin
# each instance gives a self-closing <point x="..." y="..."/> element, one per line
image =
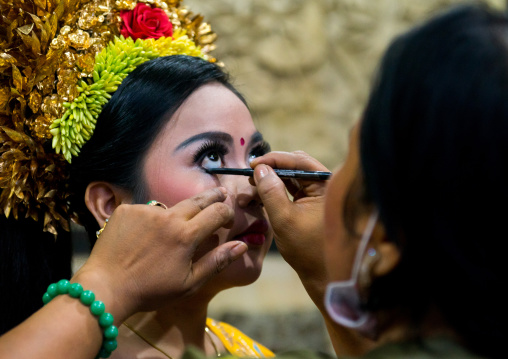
<point x="244" y="271"/>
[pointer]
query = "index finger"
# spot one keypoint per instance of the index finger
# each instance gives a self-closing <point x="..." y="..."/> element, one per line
<point x="210" y="219"/>
<point x="297" y="160"/>
<point x="190" y="207"/>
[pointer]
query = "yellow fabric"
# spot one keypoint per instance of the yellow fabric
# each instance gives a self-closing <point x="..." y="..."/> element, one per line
<point x="236" y="342"/>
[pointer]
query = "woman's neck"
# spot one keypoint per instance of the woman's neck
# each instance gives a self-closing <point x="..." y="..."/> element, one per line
<point x="175" y="327"/>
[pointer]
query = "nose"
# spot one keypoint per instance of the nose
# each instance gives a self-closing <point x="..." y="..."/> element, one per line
<point x="246" y="194"/>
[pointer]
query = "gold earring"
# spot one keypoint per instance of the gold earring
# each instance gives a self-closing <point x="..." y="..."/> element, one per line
<point x="98" y="233"/>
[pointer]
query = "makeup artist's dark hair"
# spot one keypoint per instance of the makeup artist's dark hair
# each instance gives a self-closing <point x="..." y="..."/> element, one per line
<point x="434" y="158"/>
<point x="130" y="122"/>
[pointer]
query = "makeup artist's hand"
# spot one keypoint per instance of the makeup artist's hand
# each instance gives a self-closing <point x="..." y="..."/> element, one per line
<point x="142" y="259"/>
<point x="144" y="255"/>
<point x="299" y="232"/>
<point x="298" y="223"/>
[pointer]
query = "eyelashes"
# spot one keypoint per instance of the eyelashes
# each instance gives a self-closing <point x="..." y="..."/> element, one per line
<point x="210" y="148"/>
<point x="212" y="152"/>
<point x="260" y="149"/>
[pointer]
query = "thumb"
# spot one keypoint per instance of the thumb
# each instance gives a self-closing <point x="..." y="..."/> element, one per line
<point x="215" y="261"/>
<point x="272" y="192"/>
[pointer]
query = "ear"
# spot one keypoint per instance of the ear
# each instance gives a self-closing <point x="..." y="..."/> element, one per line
<point x="389" y="253"/>
<point x="102" y="198"/>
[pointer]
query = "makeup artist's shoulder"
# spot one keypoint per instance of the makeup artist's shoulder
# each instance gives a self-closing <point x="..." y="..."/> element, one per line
<point x="194" y="353"/>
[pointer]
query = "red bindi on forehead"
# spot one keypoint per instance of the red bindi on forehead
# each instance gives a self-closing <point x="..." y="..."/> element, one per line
<point x="242" y="141"/>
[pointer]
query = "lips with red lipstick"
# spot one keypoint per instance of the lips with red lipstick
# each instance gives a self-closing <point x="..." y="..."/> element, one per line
<point x="255" y="234"/>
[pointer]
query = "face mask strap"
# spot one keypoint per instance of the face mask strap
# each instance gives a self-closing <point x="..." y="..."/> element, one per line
<point x="367" y="233"/>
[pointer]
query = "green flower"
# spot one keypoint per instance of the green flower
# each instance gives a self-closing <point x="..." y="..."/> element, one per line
<point x="112" y="65"/>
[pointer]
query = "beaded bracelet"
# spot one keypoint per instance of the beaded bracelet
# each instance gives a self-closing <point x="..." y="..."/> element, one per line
<point x="87" y="297"/>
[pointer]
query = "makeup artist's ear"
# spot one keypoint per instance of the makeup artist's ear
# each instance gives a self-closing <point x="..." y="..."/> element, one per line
<point x="389" y="252"/>
<point x="102" y="198"/>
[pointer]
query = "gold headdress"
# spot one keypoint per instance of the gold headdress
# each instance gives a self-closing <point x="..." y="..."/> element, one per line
<point x="59" y="62"/>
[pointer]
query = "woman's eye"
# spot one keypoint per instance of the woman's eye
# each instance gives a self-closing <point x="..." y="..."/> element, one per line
<point x="261" y="149"/>
<point x="251" y="157"/>
<point x="211" y="154"/>
<point x="212" y="160"/>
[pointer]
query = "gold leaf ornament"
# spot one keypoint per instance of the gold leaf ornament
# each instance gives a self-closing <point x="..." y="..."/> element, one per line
<point x="17" y="79"/>
<point x="6" y="60"/>
<point x="48" y="58"/>
<point x="35" y="101"/>
<point x="5" y="96"/>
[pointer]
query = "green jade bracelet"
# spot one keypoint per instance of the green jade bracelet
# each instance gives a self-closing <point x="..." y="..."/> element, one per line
<point x="97" y="308"/>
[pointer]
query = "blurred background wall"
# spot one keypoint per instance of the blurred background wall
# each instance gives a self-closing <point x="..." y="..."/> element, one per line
<point x="305" y="67"/>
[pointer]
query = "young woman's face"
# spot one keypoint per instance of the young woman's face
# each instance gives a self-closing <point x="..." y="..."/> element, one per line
<point x="213" y="128"/>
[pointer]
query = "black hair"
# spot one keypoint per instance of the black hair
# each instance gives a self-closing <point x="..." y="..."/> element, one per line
<point x="434" y="157"/>
<point x="30" y="260"/>
<point x="130" y="121"/>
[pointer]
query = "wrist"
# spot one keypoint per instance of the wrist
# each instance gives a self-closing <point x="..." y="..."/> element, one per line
<point x="97" y="309"/>
<point x="106" y="291"/>
<point x="315" y="288"/>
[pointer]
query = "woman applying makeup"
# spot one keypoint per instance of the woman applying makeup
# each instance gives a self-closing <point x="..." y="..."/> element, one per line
<point x="413" y="222"/>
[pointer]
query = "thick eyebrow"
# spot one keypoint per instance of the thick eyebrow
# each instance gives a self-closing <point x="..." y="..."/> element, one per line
<point x="215" y="135"/>
<point x="256" y="137"/>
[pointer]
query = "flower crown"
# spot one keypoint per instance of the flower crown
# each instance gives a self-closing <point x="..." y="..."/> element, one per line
<point x="59" y="63"/>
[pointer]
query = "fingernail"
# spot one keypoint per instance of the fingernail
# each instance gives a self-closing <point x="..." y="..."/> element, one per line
<point x="223" y="190"/>
<point x="263" y="171"/>
<point x="239" y="249"/>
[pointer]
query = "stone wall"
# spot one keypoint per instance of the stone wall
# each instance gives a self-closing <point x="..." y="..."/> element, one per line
<point x="305" y="65"/>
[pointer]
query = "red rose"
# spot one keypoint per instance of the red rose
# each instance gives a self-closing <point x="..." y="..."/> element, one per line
<point x="143" y="22"/>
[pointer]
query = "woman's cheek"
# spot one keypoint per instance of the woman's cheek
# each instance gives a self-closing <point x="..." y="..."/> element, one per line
<point x="175" y="189"/>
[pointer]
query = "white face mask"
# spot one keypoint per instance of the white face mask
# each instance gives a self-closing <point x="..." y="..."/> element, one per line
<point x="342" y="299"/>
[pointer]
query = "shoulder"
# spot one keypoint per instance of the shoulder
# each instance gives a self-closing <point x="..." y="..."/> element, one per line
<point x="237" y="342"/>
